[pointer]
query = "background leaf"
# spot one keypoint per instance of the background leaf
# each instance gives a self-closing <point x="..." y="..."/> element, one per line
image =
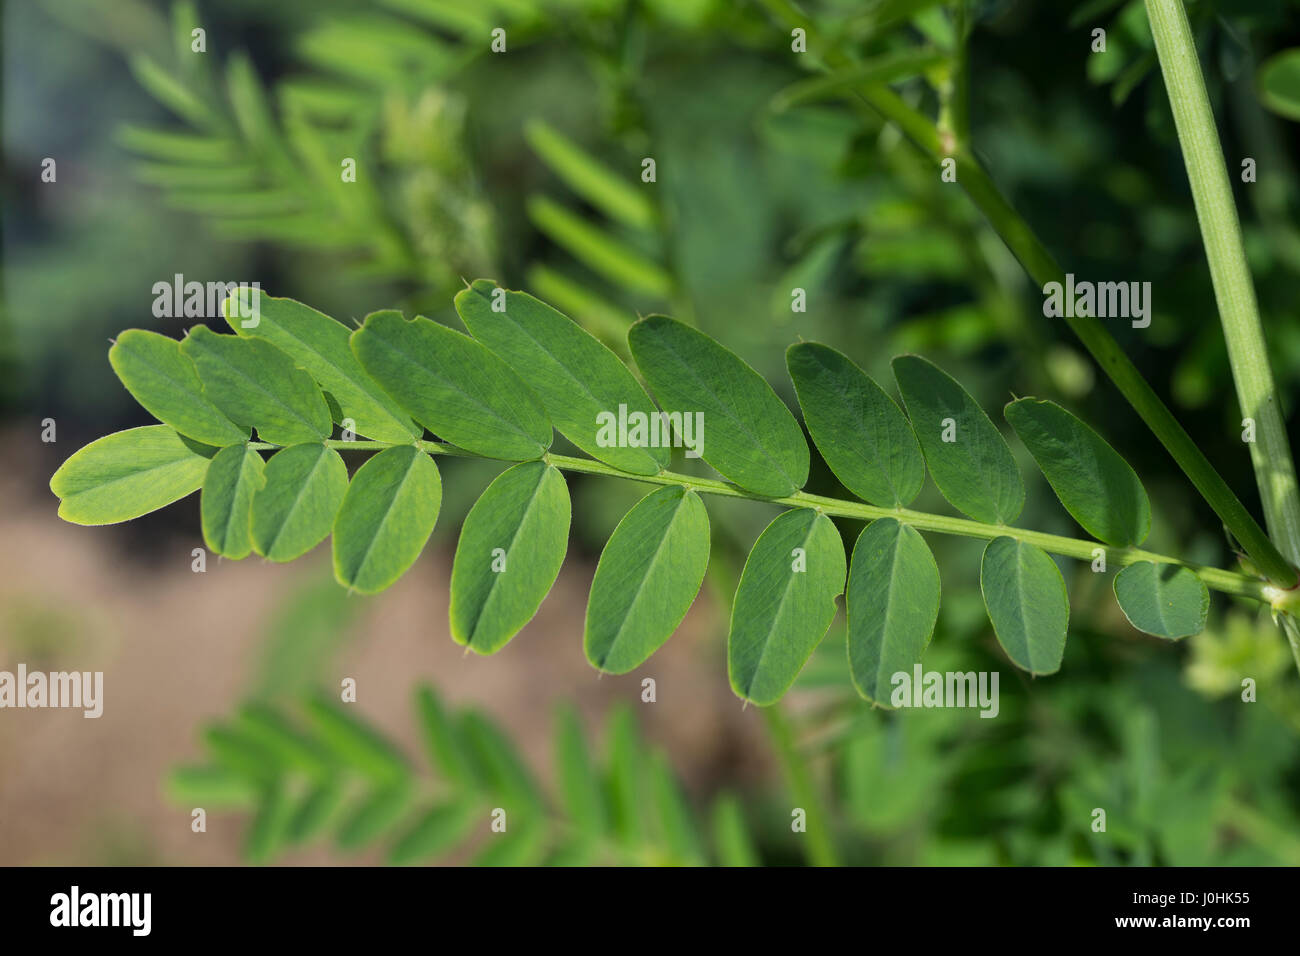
<point x="1094" y="483"/>
<point x="1279" y="83"/>
<point x="892" y="603"/>
<point x="128" y="474"/>
<point x="1162" y="599"/>
<point x="647" y="579"/>
<point x="386" y="517"/>
<point x="780" y="615"/>
<point x="976" y="471"/>
<point x="863" y="435"/>
<point x="453" y="385"/>
<point x="749" y="435"/>
<point x="1027" y="602"/>
<point x="525" y="513"/>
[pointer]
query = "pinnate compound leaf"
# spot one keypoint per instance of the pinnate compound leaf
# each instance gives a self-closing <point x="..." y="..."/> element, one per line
<point x="165" y="384"/>
<point x="295" y="510"/>
<point x="863" y="435"/>
<point x="453" y="385"/>
<point x="648" y="577"/>
<point x="254" y="383"/>
<point x="128" y="474"/>
<point x="1094" y="483"/>
<point x="1162" y="599"/>
<point x="892" y="603"/>
<point x="749" y="437"/>
<point x="510" y="550"/>
<point x="975" y="470"/>
<point x="578" y="379"/>
<point x="386" y="518"/>
<point x="784" y="603"/>
<point x="234" y="476"/>
<point x="1026" y="599"/>
<point x="320" y="345"/>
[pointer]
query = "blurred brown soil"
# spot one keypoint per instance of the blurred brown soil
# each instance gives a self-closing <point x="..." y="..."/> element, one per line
<point x="179" y="648"/>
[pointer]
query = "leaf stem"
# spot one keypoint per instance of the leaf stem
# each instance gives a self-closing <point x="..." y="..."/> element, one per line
<point x="1228" y="582"/>
<point x="1234" y="291"/>
<point x="821" y="848"/>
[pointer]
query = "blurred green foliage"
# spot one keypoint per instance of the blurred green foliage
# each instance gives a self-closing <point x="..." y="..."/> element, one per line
<point x="527" y="167"/>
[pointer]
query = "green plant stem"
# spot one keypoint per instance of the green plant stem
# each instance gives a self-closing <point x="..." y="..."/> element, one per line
<point x="1228" y="582"/>
<point x="1234" y="292"/>
<point x="1043" y="268"/>
<point x="820" y="848"/>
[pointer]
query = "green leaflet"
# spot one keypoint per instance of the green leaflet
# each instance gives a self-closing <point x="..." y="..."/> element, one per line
<point x="296" y="507"/>
<point x="648" y="577"/>
<point x="863" y="435"/>
<point x="599" y="250"/>
<point x="453" y="385"/>
<point x="374" y="815"/>
<point x="254" y="383"/>
<point x="503" y="769"/>
<point x="442" y="738"/>
<point x="165" y="384"/>
<point x="268" y="830"/>
<point x="521" y="845"/>
<point x="731" y="836"/>
<point x="1278" y="81"/>
<point x="1162" y="599"/>
<point x="578" y="379"/>
<point x="605" y="189"/>
<point x="580" y="785"/>
<point x="892" y="603"/>
<point x="387" y="516"/>
<point x="234" y="476"/>
<point x="435" y="832"/>
<point x="749" y="436"/>
<point x="355" y="742"/>
<point x="1025" y="596"/>
<point x="781" y="614"/>
<point x="674" y="829"/>
<point x="624" y="772"/>
<point x="510" y="550"/>
<point x="1094" y="483"/>
<point x="128" y="474"/>
<point x="320" y="345"/>
<point x="975" y="470"/>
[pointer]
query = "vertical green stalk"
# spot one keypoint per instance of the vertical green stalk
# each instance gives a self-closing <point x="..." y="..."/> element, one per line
<point x="1234" y="291"/>
<point x="820" y="847"/>
<point x="1043" y="268"/>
